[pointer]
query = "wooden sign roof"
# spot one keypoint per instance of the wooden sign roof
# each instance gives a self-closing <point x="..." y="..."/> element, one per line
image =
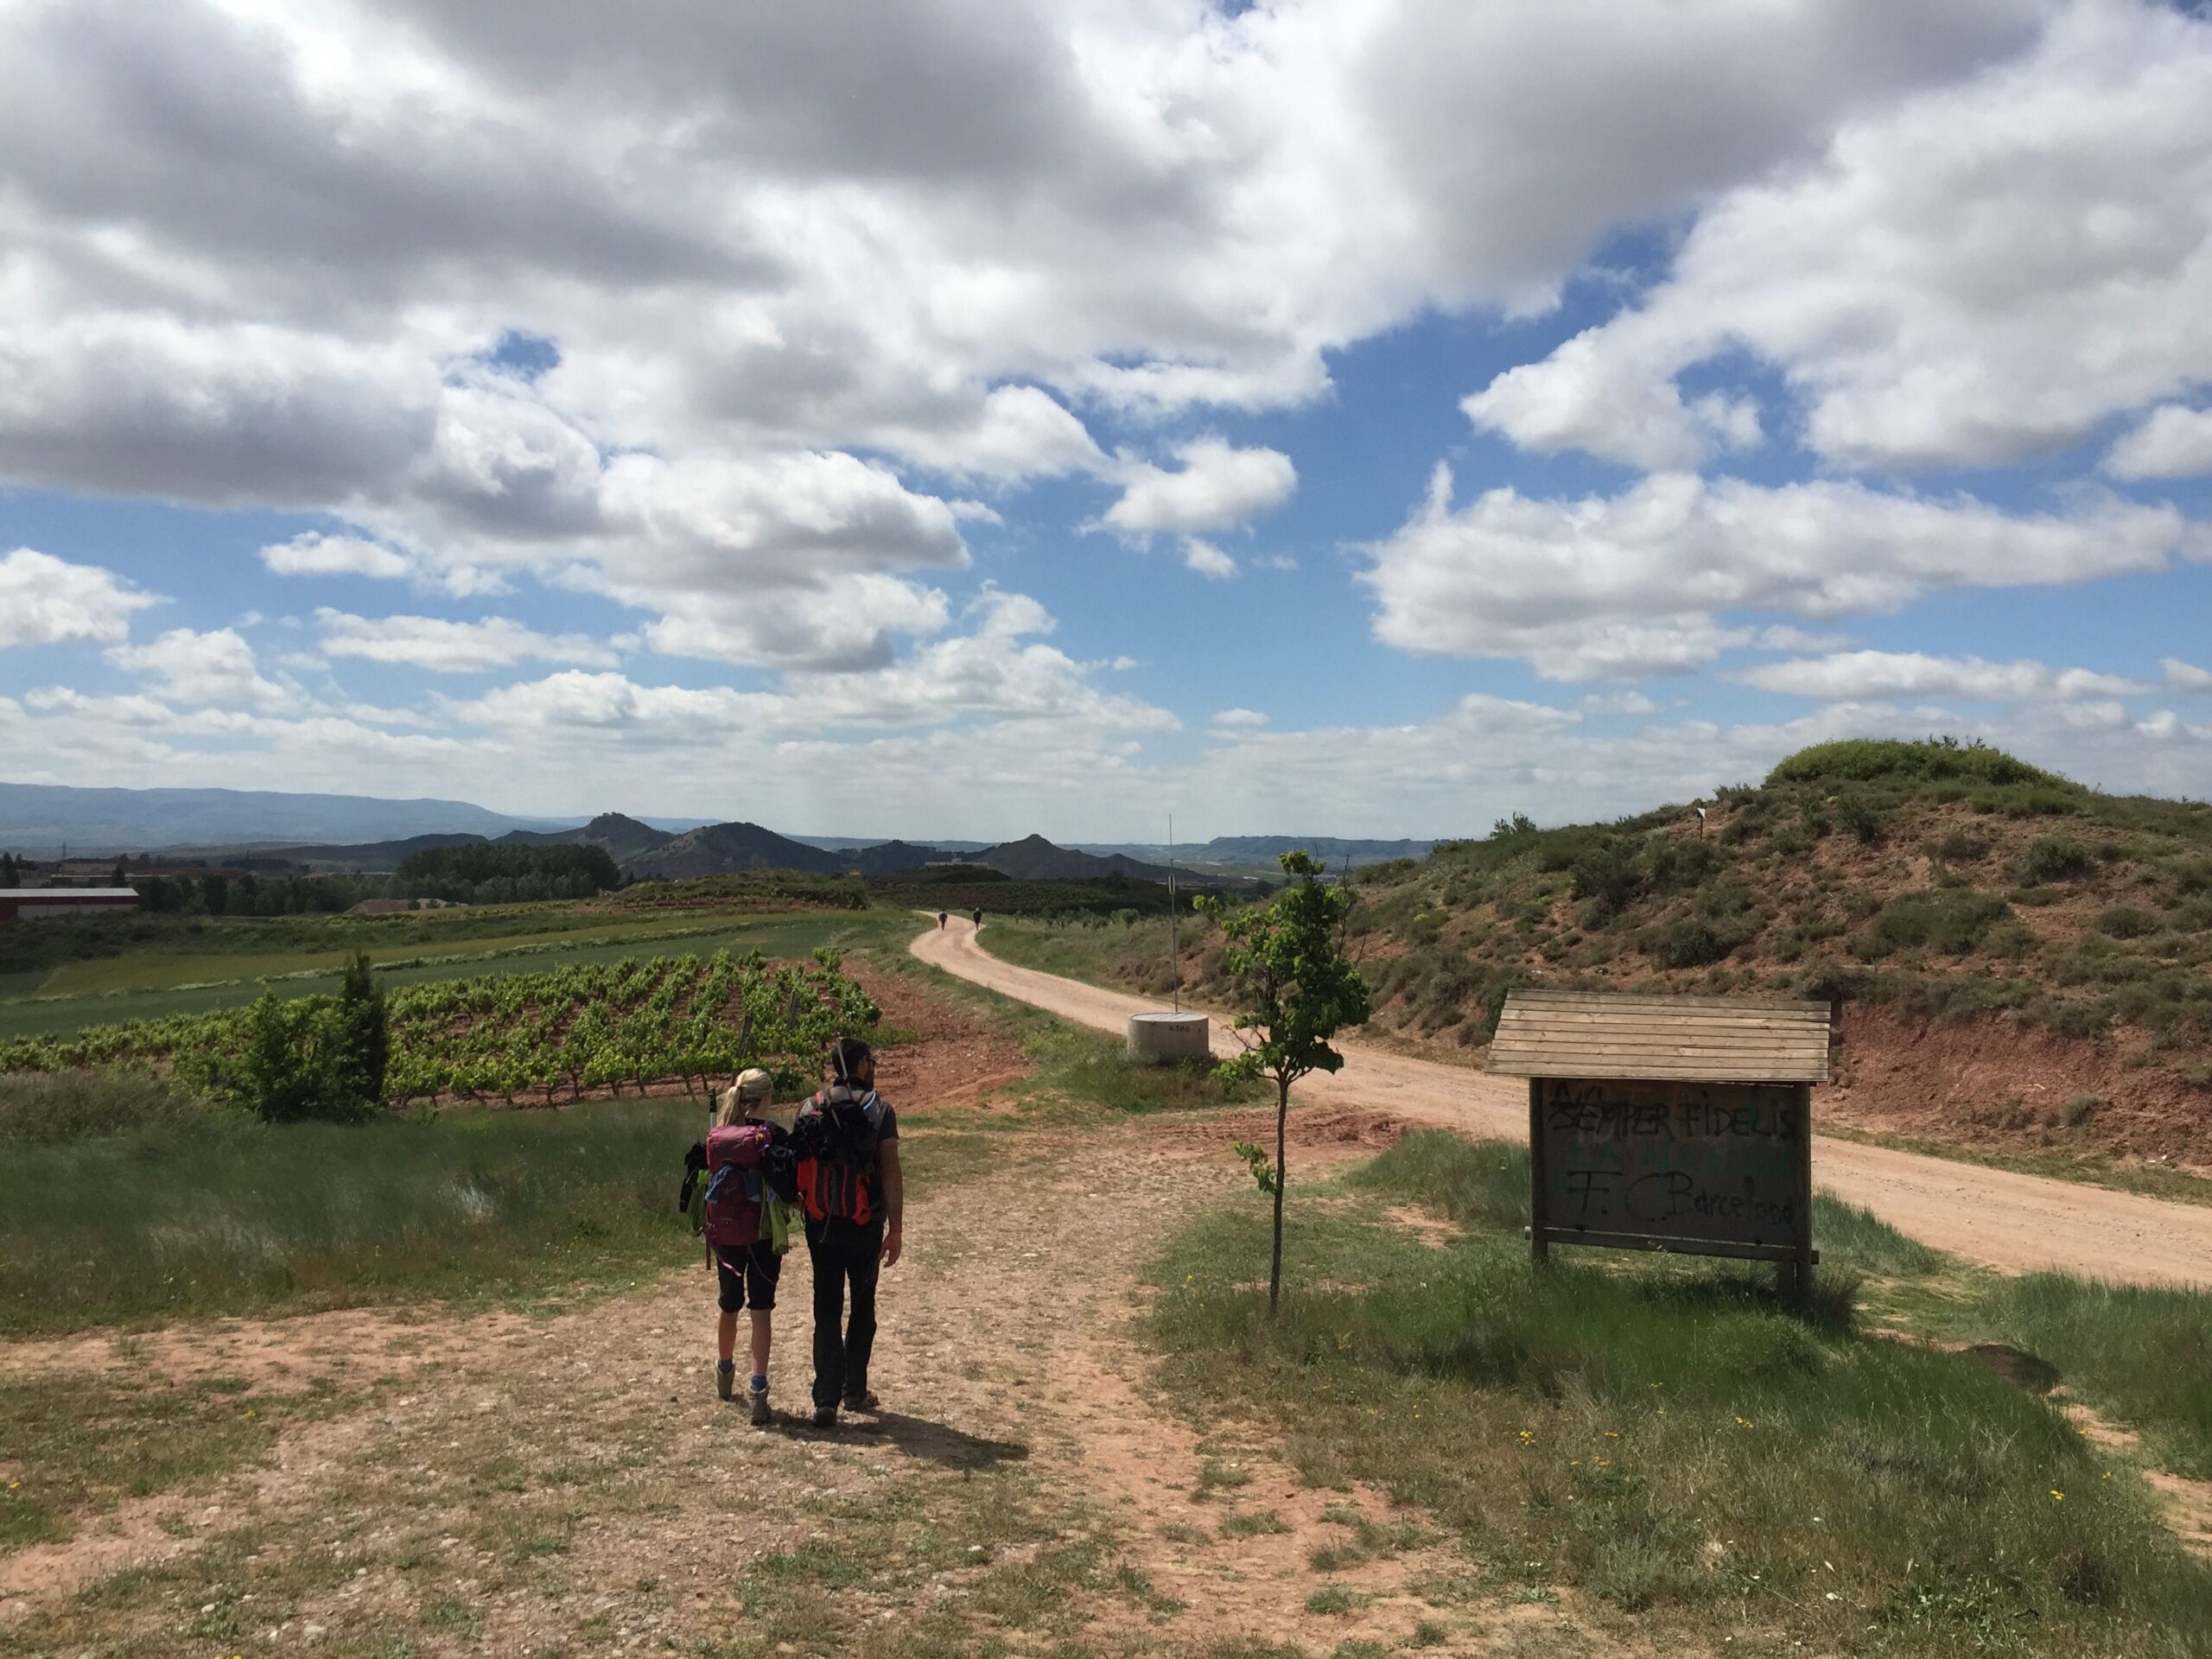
<point x="1689" y="1039"/>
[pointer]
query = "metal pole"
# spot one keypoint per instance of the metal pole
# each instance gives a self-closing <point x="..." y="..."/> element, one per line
<point x="1540" y="1246"/>
<point x="1174" y="952"/>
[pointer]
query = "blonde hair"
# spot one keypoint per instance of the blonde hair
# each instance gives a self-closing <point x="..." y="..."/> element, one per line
<point x="752" y="1088"/>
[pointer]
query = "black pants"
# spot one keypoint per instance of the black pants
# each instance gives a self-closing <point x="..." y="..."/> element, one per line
<point x="843" y="1254"/>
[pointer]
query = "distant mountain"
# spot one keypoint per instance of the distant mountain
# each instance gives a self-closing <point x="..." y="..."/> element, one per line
<point x="1260" y="852"/>
<point x="1035" y="859"/>
<point x="624" y="838"/>
<point x="41" y="816"/>
<point x="369" y="857"/>
<point x="893" y="857"/>
<point x="721" y="848"/>
<point x="861" y="844"/>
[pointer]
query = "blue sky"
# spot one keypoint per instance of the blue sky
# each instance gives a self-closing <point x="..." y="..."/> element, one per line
<point x="1302" y="418"/>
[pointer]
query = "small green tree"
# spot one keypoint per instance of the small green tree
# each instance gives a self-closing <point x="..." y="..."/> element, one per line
<point x="284" y="1075"/>
<point x="1298" y="989"/>
<point x="362" y="1041"/>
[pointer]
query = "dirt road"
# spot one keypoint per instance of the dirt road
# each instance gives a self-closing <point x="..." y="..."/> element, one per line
<point x="2009" y="1222"/>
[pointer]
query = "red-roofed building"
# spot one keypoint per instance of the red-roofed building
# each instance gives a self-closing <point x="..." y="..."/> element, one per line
<point x="34" y="903"/>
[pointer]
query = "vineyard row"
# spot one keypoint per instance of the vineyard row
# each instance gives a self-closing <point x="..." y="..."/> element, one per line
<point x="536" y="1038"/>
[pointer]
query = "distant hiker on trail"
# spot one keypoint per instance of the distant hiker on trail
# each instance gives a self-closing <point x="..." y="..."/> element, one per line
<point x="979" y="917"/>
<point x="745" y="1207"/>
<point x="940" y="921"/>
<point x="847" y="1140"/>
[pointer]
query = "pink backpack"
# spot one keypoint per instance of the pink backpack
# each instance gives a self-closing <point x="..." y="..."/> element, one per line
<point x="733" y="1187"/>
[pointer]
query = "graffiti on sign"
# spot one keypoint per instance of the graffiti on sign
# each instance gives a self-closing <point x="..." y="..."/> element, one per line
<point x="1673" y="1162"/>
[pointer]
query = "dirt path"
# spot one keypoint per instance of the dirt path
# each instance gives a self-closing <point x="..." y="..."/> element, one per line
<point x="2011" y="1222"/>
<point x="511" y="1485"/>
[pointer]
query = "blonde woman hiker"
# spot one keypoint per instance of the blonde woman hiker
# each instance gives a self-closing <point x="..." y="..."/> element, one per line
<point x="744" y="1208"/>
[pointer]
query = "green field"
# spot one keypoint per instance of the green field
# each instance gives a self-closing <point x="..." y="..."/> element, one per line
<point x="156" y="985"/>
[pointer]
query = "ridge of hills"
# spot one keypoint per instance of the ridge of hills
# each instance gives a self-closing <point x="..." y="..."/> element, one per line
<point x="642" y="852"/>
<point x="97" y="822"/>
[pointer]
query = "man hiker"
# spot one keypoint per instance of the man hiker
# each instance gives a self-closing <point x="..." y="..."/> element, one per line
<point x="847" y="1139"/>
<point x="979" y="917"/>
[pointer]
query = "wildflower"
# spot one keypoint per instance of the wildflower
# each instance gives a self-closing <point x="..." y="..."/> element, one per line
<point x="1527" y="1435"/>
<point x="2058" y="1497"/>
<point x="1612" y="1434"/>
<point x="1742" y="1422"/>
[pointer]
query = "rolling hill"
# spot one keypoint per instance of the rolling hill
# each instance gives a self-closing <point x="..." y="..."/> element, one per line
<point x="721" y="848"/>
<point x="623" y="837"/>
<point x="2019" y="963"/>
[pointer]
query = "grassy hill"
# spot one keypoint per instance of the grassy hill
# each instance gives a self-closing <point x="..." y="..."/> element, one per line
<point x="2020" y="962"/>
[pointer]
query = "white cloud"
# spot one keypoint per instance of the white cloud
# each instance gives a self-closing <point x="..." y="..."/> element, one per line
<point x="1618" y="587"/>
<point x="1617" y="702"/>
<point x="1867" y="676"/>
<point x="996" y="670"/>
<point x="846" y="624"/>
<point x="1782" y="637"/>
<point x="2185" y="677"/>
<point x="314" y="554"/>
<point x="1981" y="274"/>
<point x="446" y="647"/>
<point x="1243" y="720"/>
<point x="2173" y="441"/>
<point x="1219" y="486"/>
<point x="1208" y="560"/>
<point x="210" y="668"/>
<point x="48" y="601"/>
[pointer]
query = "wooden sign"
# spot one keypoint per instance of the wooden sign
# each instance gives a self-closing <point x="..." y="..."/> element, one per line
<point x="1702" y="1168"/>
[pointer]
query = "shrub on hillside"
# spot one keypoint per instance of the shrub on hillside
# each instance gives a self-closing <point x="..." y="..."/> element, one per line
<point x="1952" y="920"/>
<point x="2126" y="922"/>
<point x="1867" y="759"/>
<point x="1689" y="942"/>
<point x="1607" y="876"/>
<point x="2052" y="858"/>
<point x="1859" y="818"/>
<point x="1958" y="846"/>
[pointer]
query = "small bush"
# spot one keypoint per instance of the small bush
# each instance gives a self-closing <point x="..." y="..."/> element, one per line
<point x="2126" y="922"/>
<point x="2053" y="858"/>
<point x="1689" y="942"/>
<point x="1958" y="846"/>
<point x="1606" y="876"/>
<point x="1952" y="920"/>
<point x="2079" y="1110"/>
<point x="1859" y="818"/>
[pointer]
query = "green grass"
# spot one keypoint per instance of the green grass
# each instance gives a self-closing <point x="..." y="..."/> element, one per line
<point x="236" y="1219"/>
<point x="1669" y="1436"/>
<point x="252" y="1219"/>
<point x="2142" y="1356"/>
